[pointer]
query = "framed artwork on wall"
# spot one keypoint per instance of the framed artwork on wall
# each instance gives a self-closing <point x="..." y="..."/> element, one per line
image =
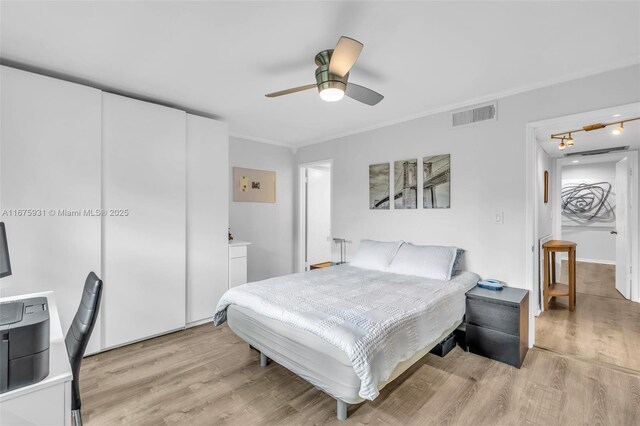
<point x="405" y="188"/>
<point x="436" y="184"/>
<point x="588" y="202"/>
<point x="379" y="186"/>
<point x="257" y="186"/>
<point x="546" y="187"/>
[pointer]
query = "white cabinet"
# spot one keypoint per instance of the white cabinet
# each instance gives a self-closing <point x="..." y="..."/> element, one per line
<point x="50" y="162"/>
<point x="160" y="175"/>
<point x="144" y="249"/>
<point x="207" y="215"/>
<point x="237" y="263"/>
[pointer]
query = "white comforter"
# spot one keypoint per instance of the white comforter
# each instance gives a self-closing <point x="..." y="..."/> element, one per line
<point x="376" y="318"/>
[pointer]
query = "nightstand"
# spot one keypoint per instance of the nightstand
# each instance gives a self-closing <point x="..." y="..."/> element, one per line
<point x="498" y="324"/>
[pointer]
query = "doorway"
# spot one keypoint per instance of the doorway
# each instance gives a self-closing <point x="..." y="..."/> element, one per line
<point x="315" y="241"/>
<point x="591" y="200"/>
<point x="593" y="212"/>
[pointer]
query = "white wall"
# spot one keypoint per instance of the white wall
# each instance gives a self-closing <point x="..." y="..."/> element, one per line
<point x="594" y="243"/>
<point x="268" y="226"/>
<point x="487" y="173"/>
<point x="545" y="211"/>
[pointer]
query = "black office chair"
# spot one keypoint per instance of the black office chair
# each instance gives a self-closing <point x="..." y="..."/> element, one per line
<point x="79" y="334"/>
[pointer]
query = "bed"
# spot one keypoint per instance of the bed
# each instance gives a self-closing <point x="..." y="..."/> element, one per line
<point x="347" y="330"/>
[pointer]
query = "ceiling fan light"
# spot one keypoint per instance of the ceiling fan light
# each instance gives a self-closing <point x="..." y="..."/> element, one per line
<point x="331" y="94"/>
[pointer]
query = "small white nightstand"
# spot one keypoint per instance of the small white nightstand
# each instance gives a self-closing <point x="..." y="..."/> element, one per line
<point x="237" y="262"/>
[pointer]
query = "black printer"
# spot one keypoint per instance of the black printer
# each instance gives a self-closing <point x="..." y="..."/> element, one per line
<point x="24" y="334"/>
<point x="24" y="342"/>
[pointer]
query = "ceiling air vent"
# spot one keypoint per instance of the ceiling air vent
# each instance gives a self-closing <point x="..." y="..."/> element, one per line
<point x="475" y="114"/>
<point x="598" y="151"/>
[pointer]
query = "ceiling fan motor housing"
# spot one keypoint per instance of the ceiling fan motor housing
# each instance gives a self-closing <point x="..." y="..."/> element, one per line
<point x="332" y="75"/>
<point x="324" y="78"/>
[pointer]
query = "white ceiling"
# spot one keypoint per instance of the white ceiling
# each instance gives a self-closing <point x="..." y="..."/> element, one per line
<point x="595" y="139"/>
<point x="221" y="58"/>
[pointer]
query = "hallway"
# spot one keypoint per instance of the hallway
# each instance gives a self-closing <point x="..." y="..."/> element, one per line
<point x="604" y="328"/>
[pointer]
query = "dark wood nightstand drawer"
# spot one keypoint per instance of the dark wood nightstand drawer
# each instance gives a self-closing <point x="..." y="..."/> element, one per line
<point x="500" y="317"/>
<point x="496" y="345"/>
<point x="498" y="324"/>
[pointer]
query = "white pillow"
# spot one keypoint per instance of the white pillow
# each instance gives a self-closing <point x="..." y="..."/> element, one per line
<point x="376" y="255"/>
<point x="434" y="262"/>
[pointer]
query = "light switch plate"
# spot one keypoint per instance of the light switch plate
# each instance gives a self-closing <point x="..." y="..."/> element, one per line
<point x="499" y="219"/>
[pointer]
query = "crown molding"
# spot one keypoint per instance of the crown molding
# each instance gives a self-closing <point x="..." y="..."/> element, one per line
<point x="262" y="140"/>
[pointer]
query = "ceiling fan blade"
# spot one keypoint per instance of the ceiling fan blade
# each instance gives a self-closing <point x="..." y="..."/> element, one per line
<point x="362" y="94"/>
<point x="344" y="56"/>
<point x="292" y="90"/>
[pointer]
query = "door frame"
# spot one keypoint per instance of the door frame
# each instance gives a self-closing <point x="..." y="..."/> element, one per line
<point x="531" y="214"/>
<point x="302" y="209"/>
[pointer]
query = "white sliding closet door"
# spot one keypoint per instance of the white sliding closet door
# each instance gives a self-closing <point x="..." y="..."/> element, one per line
<point x="207" y="215"/>
<point x="50" y="162"/>
<point x="144" y="149"/>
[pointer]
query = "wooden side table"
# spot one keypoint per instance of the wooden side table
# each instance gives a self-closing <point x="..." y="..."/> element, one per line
<point x="551" y="287"/>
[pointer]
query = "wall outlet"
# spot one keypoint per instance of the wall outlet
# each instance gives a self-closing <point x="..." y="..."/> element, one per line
<point x="499" y="219"/>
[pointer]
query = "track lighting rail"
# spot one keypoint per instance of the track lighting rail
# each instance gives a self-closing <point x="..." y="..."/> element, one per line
<point x="566" y="138"/>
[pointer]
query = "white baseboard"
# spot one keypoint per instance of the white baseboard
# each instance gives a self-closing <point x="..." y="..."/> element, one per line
<point x="563" y="256"/>
<point x="604" y="262"/>
<point x="199" y="322"/>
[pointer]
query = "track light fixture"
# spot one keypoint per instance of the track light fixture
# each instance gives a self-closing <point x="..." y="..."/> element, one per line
<point x="566" y="139"/>
<point x="569" y="141"/>
<point x="618" y="129"/>
<point x="562" y="145"/>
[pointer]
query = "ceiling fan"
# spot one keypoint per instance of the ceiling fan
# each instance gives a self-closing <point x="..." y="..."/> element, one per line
<point x="332" y="75"/>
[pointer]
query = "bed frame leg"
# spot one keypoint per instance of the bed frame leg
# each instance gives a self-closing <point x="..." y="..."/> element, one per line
<point x="263" y="360"/>
<point x="341" y="409"/>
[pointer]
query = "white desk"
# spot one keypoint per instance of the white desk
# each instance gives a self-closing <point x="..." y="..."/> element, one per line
<point x="47" y="402"/>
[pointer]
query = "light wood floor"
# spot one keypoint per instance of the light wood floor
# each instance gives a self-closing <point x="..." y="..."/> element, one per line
<point x="208" y="376"/>
<point x="596" y="279"/>
<point x="604" y="327"/>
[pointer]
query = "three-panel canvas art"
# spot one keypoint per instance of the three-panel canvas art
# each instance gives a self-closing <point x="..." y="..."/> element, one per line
<point x="436" y="184"/>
